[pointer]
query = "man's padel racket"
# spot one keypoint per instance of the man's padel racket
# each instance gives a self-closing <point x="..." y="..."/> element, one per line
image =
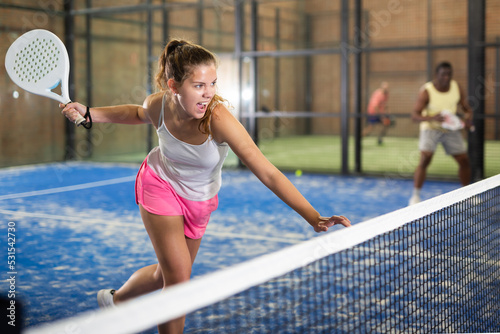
<point x="38" y="62"/>
<point x="451" y="121"/>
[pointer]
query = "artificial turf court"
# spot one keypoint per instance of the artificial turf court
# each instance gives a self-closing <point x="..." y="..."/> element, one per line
<point x="396" y="157"/>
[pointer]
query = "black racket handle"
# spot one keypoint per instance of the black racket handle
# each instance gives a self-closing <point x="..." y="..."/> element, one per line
<point x="86" y="124"/>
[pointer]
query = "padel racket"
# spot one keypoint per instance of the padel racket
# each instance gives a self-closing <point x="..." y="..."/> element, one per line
<point x="38" y="62"/>
<point x="451" y="121"/>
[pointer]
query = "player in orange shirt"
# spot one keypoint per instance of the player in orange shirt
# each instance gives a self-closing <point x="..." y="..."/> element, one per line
<point x="377" y="111"/>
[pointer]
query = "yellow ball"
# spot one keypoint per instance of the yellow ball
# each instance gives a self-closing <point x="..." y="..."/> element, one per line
<point x="298" y="173"/>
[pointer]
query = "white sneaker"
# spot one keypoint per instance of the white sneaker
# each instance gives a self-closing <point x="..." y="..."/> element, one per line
<point x="105" y="298"/>
<point x="414" y="199"/>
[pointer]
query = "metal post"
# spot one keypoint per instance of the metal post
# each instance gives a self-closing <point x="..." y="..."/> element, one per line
<point x="277" y="71"/>
<point x="344" y="85"/>
<point x="253" y="128"/>
<point x="308" y="73"/>
<point x="358" y="4"/>
<point x="238" y="49"/>
<point x="430" y="66"/>
<point x="149" y="85"/>
<point x="476" y="88"/>
<point x="497" y="91"/>
<point x="367" y="44"/>
<point x="69" y="37"/>
<point x="199" y="14"/>
<point x="88" y="24"/>
<point x="166" y="24"/>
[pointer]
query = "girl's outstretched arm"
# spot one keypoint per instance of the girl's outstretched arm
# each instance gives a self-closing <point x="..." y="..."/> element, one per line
<point x="226" y="128"/>
<point x="121" y="114"/>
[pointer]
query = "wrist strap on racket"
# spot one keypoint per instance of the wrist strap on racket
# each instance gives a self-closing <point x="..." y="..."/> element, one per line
<point x="88" y="119"/>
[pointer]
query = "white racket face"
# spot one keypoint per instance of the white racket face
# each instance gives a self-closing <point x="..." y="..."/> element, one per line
<point x="38" y="62"/>
<point x="451" y="121"/>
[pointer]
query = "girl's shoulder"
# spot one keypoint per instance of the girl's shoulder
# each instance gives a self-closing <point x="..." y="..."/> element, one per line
<point x="152" y="105"/>
<point x="223" y="122"/>
<point x="221" y="105"/>
<point x="154" y="99"/>
<point x="221" y="110"/>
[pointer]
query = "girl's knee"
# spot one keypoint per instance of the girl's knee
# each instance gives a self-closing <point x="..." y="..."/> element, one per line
<point x="175" y="276"/>
<point x="158" y="275"/>
<point x="175" y="279"/>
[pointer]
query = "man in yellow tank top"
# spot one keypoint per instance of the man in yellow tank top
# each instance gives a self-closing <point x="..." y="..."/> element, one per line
<point x="437" y="100"/>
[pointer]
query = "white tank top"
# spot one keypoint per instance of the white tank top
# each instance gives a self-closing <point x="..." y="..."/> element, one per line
<point x="194" y="171"/>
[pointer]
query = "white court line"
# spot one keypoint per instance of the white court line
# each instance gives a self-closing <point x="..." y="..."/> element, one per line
<point x="69" y="188"/>
<point x="82" y="220"/>
<point x="116" y="222"/>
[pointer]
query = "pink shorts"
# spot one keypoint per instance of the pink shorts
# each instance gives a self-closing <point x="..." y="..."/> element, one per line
<point x="158" y="197"/>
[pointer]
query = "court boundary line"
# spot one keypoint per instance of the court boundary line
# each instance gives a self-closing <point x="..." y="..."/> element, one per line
<point x="67" y="164"/>
<point x="69" y="188"/>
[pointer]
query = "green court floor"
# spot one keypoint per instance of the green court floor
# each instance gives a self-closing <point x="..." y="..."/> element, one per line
<point x="396" y="157"/>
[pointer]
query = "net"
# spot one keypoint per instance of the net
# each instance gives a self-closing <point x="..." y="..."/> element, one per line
<point x="430" y="267"/>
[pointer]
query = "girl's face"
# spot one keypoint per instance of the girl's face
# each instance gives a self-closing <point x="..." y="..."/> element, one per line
<point x="197" y="90"/>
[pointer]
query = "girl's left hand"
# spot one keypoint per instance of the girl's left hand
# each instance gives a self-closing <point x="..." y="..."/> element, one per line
<point x="324" y="223"/>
